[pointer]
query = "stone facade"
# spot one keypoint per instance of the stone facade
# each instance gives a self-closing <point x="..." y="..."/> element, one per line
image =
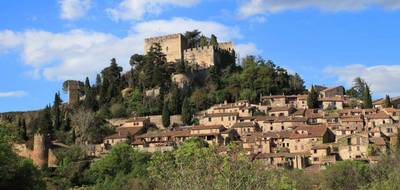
<point x="175" y="48"/>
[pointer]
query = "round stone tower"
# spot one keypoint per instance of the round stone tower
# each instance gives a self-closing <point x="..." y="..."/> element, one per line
<point x="40" y="152"/>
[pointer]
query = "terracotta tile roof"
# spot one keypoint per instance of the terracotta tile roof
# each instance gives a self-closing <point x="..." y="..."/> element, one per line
<point x="351" y="119"/>
<point x="379" y="141"/>
<point x="280" y="154"/>
<point x="202" y="127"/>
<point x="278" y="109"/>
<point x="300" y="111"/>
<point x="273" y="96"/>
<point x="379" y="115"/>
<point x="244" y="124"/>
<point x="277" y="135"/>
<point x="309" y="131"/>
<point x="221" y="114"/>
<point x="332" y="99"/>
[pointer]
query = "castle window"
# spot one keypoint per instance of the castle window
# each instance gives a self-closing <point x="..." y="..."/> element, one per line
<point x="166" y="48"/>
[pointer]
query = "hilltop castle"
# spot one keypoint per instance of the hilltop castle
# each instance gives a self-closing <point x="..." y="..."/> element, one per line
<point x="175" y="48"/>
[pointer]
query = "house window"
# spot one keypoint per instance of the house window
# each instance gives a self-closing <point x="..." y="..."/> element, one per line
<point x="315" y="159"/>
<point x="350" y="148"/>
<point x="222" y="118"/>
<point x="283" y="128"/>
<point x="209" y="119"/>
<point x="348" y="141"/>
<point x="271" y="128"/>
<point x="315" y="151"/>
<point x="359" y="140"/>
<point x="358" y="148"/>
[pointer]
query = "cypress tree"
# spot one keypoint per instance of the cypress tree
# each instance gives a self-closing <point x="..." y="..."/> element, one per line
<point x="367" y="100"/>
<point x="24" y="134"/>
<point x="388" y="102"/>
<point x="56" y="111"/>
<point x="166" y="115"/>
<point x="186" y="116"/>
<point x="312" y="99"/>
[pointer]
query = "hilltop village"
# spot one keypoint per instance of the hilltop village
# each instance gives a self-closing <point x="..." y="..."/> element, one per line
<point x="189" y="102"/>
<point x="281" y="130"/>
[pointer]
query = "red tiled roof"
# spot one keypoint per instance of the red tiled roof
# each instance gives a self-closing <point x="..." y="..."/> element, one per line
<point x="310" y="131"/>
<point x="201" y="127"/>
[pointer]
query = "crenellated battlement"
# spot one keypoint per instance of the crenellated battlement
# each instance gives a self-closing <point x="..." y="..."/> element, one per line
<point x="162" y="38"/>
<point x="199" y="49"/>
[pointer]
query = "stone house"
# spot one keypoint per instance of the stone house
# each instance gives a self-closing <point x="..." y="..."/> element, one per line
<point x="332" y="92"/>
<point x="380" y="102"/>
<point x="303" y="137"/>
<point x="281" y="123"/>
<point x="225" y="119"/>
<point x="353" y="146"/>
<point x="281" y="111"/>
<point x="332" y="103"/>
<point x="377" y="119"/>
<point x="321" y="155"/>
<point x="243" y="128"/>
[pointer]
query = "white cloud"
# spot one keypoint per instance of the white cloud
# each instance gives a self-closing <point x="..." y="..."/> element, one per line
<point x="177" y="24"/>
<point x="8" y="39"/>
<point x="255" y="7"/>
<point x="12" y="94"/>
<point x="78" y="53"/>
<point x="137" y="9"/>
<point x="383" y="79"/>
<point x="246" y="49"/>
<point x="74" y="9"/>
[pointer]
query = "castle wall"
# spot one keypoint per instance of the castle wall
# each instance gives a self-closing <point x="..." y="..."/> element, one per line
<point x="73" y="92"/>
<point x="40" y="150"/>
<point x="204" y="56"/>
<point x="172" y="46"/>
<point x="226" y="46"/>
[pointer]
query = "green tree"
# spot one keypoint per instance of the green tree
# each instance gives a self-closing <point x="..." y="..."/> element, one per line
<point x="166" y="116"/>
<point x="203" y="41"/>
<point x="346" y="175"/>
<point x="367" y="100"/>
<point x="122" y="159"/>
<point x="312" y="99"/>
<point x="187" y="112"/>
<point x="56" y="111"/>
<point x="388" y="102"/>
<point x="111" y="83"/>
<point x="192" y="38"/>
<point x="213" y="40"/>
<point x="90" y="96"/>
<point x="16" y="172"/>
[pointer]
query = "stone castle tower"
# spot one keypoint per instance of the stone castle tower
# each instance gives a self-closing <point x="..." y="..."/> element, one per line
<point x="40" y="153"/>
<point x="73" y="92"/>
<point x="175" y="48"/>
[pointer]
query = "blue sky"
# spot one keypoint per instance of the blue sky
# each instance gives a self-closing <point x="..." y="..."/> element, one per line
<point x="45" y="42"/>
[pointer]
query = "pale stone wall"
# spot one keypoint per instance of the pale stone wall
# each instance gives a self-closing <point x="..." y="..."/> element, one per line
<point x="172" y="46"/>
<point x="202" y="56"/>
<point x="226" y="46"/>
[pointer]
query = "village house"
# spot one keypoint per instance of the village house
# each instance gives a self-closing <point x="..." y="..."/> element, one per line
<point x="281" y="111"/>
<point x="296" y="101"/>
<point x="376" y="119"/>
<point x="225" y="119"/>
<point x="353" y="146"/>
<point x="332" y="92"/>
<point x="284" y="159"/>
<point x="280" y="123"/>
<point x="381" y="102"/>
<point x="303" y="137"/>
<point x="332" y="103"/>
<point x="321" y="154"/>
<point x="243" y="128"/>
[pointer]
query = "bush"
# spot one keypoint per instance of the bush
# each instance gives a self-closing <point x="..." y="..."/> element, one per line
<point x="118" y="110"/>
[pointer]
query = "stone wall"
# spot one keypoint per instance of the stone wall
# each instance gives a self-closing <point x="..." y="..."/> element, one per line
<point x="157" y="120"/>
<point x="172" y="46"/>
<point x="204" y="56"/>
